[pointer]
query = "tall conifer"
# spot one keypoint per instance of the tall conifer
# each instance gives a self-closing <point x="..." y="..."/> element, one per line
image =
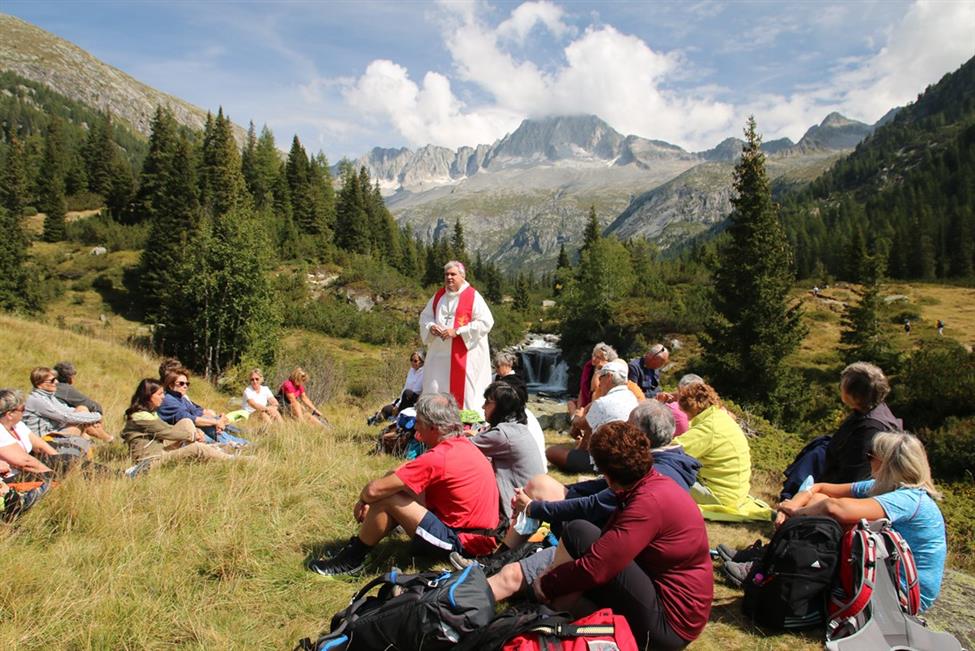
<point x="14" y="283"/>
<point x="51" y="182"/>
<point x="14" y="185"/>
<point x="754" y="328"/>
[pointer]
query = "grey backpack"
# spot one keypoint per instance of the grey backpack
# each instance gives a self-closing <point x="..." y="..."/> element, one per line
<point x="870" y="610"/>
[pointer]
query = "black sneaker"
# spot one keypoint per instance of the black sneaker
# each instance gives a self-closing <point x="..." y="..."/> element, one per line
<point x="349" y="560"/>
<point x="736" y="573"/>
<point x="751" y="553"/>
<point x="492" y="564"/>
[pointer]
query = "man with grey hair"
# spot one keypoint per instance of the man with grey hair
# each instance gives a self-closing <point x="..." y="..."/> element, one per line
<point x="446" y="499"/>
<point x="616" y="403"/>
<point x="645" y="371"/>
<point x="454" y="327"/>
<point x="657" y="421"/>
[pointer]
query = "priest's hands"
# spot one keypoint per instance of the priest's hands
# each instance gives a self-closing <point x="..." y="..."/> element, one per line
<point x="443" y="332"/>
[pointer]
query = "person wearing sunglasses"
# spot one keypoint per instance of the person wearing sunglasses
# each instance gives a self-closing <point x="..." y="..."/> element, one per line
<point x="176" y="406"/>
<point x="45" y="415"/>
<point x="258" y="398"/>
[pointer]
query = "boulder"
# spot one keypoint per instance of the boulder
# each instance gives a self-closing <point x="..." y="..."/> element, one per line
<point x="98" y="250"/>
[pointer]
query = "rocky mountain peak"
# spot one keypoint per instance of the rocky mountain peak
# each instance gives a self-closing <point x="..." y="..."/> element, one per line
<point x="560" y="137"/>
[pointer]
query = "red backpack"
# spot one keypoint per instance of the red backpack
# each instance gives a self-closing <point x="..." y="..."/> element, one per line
<point x="610" y="631"/>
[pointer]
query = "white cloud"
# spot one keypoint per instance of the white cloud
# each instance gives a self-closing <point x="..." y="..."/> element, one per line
<point x="622" y="79"/>
<point x="526" y="16"/>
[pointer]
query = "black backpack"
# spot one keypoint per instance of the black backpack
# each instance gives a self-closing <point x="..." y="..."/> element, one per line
<point x="788" y="586"/>
<point x="411" y="612"/>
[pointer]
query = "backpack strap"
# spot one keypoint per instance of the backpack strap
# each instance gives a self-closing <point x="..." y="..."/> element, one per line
<point x="902" y="558"/>
<point x="858" y="546"/>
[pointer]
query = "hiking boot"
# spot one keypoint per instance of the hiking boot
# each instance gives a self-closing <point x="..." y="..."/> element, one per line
<point x="349" y="560"/>
<point x="460" y="562"/>
<point x="493" y="563"/>
<point x="751" y="553"/>
<point x="736" y="573"/>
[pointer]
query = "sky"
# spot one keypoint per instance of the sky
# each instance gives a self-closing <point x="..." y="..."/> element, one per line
<point x="349" y="75"/>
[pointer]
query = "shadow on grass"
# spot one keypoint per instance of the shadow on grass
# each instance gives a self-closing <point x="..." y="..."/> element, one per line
<point x="727" y="610"/>
<point x="392" y="552"/>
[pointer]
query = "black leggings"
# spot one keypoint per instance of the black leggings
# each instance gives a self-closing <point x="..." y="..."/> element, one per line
<point x="631" y="593"/>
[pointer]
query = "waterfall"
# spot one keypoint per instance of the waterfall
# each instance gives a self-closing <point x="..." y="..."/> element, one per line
<point x="543" y="370"/>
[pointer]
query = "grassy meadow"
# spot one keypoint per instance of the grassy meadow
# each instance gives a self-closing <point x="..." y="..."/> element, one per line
<point x="212" y="557"/>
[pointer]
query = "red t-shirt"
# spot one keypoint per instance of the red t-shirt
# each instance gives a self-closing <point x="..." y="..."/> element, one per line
<point x="291" y="388"/>
<point x="459" y="488"/>
<point x="660" y="528"/>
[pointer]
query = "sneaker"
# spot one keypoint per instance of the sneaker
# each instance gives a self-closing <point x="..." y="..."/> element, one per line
<point x="751" y="553"/>
<point x="735" y="572"/>
<point x="493" y="563"/>
<point x="349" y="560"/>
<point x="460" y="562"/>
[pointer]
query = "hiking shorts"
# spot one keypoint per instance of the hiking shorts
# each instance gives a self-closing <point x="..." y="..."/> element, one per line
<point x="433" y="536"/>
<point x="578" y="461"/>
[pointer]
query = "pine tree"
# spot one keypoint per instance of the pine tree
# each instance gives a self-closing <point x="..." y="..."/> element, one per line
<point x="522" y="297"/>
<point x="121" y="189"/>
<point x="99" y="156"/>
<point x="14" y="186"/>
<point x="14" y="282"/>
<point x="754" y="328"/>
<point x="172" y="232"/>
<point x="51" y="182"/>
<point x="265" y="170"/>
<point x="248" y="160"/>
<point x="323" y="193"/>
<point x="593" y="231"/>
<point x="863" y="333"/>
<point x="223" y="183"/>
<point x="352" y="227"/>
<point x="458" y="247"/>
<point x="563" y="271"/>
<point x="157" y="166"/>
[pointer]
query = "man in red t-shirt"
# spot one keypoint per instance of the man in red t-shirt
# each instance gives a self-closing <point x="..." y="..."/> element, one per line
<point x="446" y="499"/>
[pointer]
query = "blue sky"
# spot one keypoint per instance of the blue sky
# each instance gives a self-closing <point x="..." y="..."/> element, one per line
<point x="349" y="75"/>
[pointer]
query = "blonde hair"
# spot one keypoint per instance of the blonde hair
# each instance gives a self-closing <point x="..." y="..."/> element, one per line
<point x="255" y="371"/>
<point x="903" y="464"/>
<point x="298" y="376"/>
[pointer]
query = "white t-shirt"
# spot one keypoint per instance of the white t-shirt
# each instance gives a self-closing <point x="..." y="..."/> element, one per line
<point x="615" y="405"/>
<point x="260" y="397"/>
<point x="537" y="434"/>
<point x="23" y="432"/>
<point x="414" y="381"/>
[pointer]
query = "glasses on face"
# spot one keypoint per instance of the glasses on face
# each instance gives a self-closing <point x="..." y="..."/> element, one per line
<point x="255" y="379"/>
<point x="49" y="380"/>
<point x="182" y="384"/>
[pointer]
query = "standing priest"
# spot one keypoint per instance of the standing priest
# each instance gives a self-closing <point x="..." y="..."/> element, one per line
<point x="454" y="327"/>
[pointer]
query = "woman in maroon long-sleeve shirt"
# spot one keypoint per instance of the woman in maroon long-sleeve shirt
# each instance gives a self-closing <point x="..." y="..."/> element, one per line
<point x="650" y="563"/>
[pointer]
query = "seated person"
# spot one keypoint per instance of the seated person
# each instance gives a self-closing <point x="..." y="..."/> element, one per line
<point x="44" y="414"/>
<point x="716" y="440"/>
<point x="153" y="441"/>
<point x="681" y="421"/>
<point x="601" y="353"/>
<point x="645" y="370"/>
<point x="446" y="499"/>
<point x="669" y="457"/>
<point x="68" y="394"/>
<point x="650" y="562"/>
<point x="843" y="458"/>
<point x="504" y="363"/>
<point x="901" y="490"/>
<point x="616" y="404"/>
<point x="176" y="406"/>
<point x="259" y="400"/>
<point x="508" y="443"/>
<point x="412" y="389"/>
<point x="17" y="441"/>
<point x="295" y="402"/>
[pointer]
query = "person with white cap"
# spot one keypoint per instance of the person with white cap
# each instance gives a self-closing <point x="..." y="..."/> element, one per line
<point x="616" y="403"/>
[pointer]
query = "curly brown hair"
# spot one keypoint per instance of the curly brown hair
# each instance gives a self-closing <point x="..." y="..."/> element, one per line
<point x="621" y="452"/>
<point x="695" y="398"/>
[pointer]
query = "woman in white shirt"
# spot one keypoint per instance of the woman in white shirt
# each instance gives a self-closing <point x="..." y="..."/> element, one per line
<point x="412" y="389"/>
<point x="259" y="399"/>
<point x="16" y="440"/>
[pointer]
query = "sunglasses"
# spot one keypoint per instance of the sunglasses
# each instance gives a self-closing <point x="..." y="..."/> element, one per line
<point x="182" y="384"/>
<point x="50" y="379"/>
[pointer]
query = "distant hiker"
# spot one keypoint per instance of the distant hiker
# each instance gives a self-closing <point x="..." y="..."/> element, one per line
<point x="907" y="326"/>
<point x="446" y="499"/>
<point x="815" y="291"/>
<point x="295" y="402"/>
<point x="645" y="370"/>
<point x="454" y="326"/>
<point x="941" y="328"/>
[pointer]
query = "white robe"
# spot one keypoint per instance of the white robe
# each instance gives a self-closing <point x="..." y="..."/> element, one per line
<point x="436" y="368"/>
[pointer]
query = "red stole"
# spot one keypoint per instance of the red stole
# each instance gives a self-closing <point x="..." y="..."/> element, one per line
<point x="458" y="349"/>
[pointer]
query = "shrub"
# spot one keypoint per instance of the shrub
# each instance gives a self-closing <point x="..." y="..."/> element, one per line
<point x="951" y="448"/>
<point x="909" y="312"/>
<point x="85" y="201"/>
<point x="340" y="319"/>
<point x="102" y="230"/>
<point x="938" y="381"/>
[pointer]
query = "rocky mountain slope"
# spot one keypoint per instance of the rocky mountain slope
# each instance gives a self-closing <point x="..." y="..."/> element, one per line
<point x="521" y="197"/>
<point x="43" y="57"/>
